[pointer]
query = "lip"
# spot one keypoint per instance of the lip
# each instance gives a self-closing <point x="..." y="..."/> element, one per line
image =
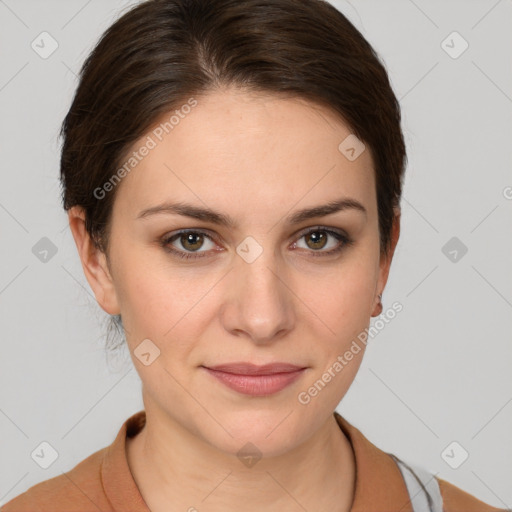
<point x="250" y="379"/>
<point x="242" y="368"/>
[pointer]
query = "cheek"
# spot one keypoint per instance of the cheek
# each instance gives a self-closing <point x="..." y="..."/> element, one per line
<point x="343" y="317"/>
<point x="343" y="297"/>
<point x="164" y="304"/>
<point x="343" y="301"/>
<point x="143" y="293"/>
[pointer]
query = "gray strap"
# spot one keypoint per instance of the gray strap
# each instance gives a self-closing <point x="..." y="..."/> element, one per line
<point x="422" y="486"/>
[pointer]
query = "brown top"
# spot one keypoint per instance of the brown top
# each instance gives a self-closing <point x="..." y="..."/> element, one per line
<point x="103" y="482"/>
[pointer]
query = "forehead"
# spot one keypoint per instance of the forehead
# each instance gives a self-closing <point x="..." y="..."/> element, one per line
<point x="253" y="151"/>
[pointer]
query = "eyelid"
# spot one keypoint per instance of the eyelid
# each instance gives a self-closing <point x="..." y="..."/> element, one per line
<point x="319" y="227"/>
<point x="165" y="241"/>
<point x="213" y="237"/>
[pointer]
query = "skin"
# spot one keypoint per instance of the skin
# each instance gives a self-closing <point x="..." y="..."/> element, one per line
<point x="257" y="158"/>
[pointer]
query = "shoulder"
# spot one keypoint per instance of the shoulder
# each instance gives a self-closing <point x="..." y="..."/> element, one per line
<point x="78" y="490"/>
<point x="457" y="500"/>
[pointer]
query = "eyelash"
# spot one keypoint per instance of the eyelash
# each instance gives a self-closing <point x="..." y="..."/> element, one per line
<point x="347" y="242"/>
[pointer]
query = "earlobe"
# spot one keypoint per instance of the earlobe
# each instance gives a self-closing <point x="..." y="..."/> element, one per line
<point x="377" y="310"/>
<point x="94" y="263"/>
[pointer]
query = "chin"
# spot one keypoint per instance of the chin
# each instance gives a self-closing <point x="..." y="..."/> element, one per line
<point x="272" y="431"/>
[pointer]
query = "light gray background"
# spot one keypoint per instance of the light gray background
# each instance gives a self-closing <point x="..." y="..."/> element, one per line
<point x="439" y="372"/>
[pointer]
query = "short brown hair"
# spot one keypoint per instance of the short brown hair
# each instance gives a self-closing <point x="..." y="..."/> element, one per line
<point x="162" y="52"/>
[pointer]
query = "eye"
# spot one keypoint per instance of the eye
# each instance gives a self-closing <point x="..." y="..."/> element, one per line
<point x="317" y="239"/>
<point x="187" y="243"/>
<point x="190" y="241"/>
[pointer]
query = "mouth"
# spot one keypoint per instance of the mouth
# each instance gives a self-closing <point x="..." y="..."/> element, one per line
<point x="250" y="379"/>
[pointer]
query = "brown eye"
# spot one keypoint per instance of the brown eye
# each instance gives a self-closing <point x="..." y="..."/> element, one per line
<point x="185" y="243"/>
<point x="191" y="241"/>
<point x="316" y="240"/>
<point x="190" y="244"/>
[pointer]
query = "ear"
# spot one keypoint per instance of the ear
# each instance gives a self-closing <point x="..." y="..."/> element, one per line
<point x="385" y="263"/>
<point x="94" y="263"/>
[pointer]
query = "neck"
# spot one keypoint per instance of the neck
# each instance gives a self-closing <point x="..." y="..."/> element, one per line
<point x="172" y="466"/>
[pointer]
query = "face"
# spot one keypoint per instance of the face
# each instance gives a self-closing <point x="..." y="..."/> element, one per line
<point x="271" y="285"/>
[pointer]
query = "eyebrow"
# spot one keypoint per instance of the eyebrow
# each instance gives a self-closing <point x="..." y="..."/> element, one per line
<point x="208" y="215"/>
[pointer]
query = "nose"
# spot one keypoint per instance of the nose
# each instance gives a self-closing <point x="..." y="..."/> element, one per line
<point x="260" y="303"/>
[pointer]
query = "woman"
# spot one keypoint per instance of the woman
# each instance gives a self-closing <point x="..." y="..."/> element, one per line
<point x="232" y="172"/>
